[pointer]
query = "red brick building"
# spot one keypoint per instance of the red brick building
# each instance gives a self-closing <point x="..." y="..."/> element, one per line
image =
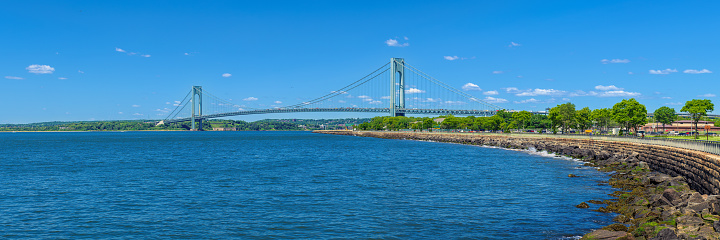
<point x="680" y="126"/>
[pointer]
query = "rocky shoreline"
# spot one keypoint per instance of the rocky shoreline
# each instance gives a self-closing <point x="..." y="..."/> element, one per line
<point x="656" y="199"/>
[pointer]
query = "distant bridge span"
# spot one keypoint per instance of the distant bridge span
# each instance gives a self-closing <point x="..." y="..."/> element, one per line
<point x="396" y="89"/>
<point x="481" y="113"/>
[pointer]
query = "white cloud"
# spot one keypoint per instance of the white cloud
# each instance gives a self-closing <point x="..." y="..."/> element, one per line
<point x="385" y="97"/>
<point x="187" y="54"/>
<point x="341" y="101"/>
<point x="471" y="87"/>
<point x="512" y="90"/>
<point x="137" y="114"/>
<point x="531" y="100"/>
<point x="693" y="71"/>
<point x="406" y="38"/>
<point x="278" y="102"/>
<point x="135" y="105"/>
<point x="250" y="99"/>
<point x="394" y="43"/>
<point x="40" y="69"/>
<point x="414" y="90"/>
<point x="62" y="78"/>
<point x="454" y="102"/>
<point x="367" y="99"/>
<point x="119" y="50"/>
<point x="120" y="112"/>
<point x="493" y="92"/>
<point x="666" y="71"/>
<point x="707" y="95"/>
<point x="451" y="58"/>
<point x="581" y="93"/>
<point x="12" y="77"/>
<point x="666" y="97"/>
<point x="432" y="100"/>
<point x="145" y="55"/>
<point x="607" y="88"/>
<point x="80" y="71"/>
<point x="495" y="100"/>
<point x="226" y="75"/>
<point x="514" y="44"/>
<point x="375" y="102"/>
<point x="540" y="92"/>
<point x="605" y="61"/>
<point x="618" y="94"/>
<point x="497" y="72"/>
<point x="363" y="96"/>
<point x="631" y="73"/>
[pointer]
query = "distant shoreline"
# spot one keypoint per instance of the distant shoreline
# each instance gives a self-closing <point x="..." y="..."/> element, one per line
<point x="151" y="131"/>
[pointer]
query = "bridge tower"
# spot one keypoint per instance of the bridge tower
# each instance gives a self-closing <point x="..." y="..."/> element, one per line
<point x="196" y="91"/>
<point x="397" y="81"/>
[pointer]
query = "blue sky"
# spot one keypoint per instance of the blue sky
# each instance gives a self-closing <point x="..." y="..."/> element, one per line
<point x="103" y="60"/>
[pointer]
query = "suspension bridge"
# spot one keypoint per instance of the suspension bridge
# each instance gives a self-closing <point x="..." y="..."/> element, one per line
<point x="396" y="88"/>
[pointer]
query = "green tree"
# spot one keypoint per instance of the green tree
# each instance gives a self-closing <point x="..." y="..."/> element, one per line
<point x="563" y="115"/>
<point x="665" y="115"/>
<point x="521" y="118"/>
<point x="630" y="113"/>
<point x="493" y="123"/>
<point x="602" y="117"/>
<point x="697" y="108"/>
<point x="479" y="123"/>
<point x="583" y="118"/>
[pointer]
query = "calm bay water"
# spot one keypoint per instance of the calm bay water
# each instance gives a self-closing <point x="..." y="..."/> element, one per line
<point x="270" y="185"/>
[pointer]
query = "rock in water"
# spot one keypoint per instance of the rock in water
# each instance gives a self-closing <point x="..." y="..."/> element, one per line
<point x="572" y="175"/>
<point x="607" y="235"/>
<point x="582" y="205"/>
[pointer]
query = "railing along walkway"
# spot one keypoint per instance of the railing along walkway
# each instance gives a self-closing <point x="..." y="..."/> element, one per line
<point x="712" y="147"/>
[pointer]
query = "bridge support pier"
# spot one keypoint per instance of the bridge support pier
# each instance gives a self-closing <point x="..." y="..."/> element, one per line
<point x="196" y="91"/>
<point x="397" y="81"/>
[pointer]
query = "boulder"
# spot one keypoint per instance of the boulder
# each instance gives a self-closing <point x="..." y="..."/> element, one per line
<point x="658" y="178"/>
<point x="698" y="207"/>
<point x="672" y="196"/>
<point x="689" y="224"/>
<point x="607" y="235"/>
<point x="666" y="234"/>
<point x="582" y="205"/>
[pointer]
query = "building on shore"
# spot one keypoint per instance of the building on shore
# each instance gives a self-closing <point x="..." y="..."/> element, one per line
<point x="680" y="126"/>
<point x="223" y="129"/>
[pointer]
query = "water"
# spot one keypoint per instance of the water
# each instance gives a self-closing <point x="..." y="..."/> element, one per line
<point x="280" y="185"/>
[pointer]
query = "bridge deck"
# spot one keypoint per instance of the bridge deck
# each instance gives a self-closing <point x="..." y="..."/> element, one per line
<point x="481" y="113"/>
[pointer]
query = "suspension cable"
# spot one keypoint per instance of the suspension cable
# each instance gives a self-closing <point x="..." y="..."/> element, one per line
<point x="448" y="87"/>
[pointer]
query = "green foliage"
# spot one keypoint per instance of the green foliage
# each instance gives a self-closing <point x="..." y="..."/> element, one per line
<point x="665" y="115"/>
<point x="583" y="118"/>
<point x="521" y="118"/>
<point x="563" y="115"/>
<point x="630" y="113"/>
<point x="698" y="108"/>
<point x="493" y="123"/>
<point x="602" y="117"/>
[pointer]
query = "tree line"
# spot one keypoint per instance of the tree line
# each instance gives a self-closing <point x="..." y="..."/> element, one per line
<point x="629" y="115"/>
